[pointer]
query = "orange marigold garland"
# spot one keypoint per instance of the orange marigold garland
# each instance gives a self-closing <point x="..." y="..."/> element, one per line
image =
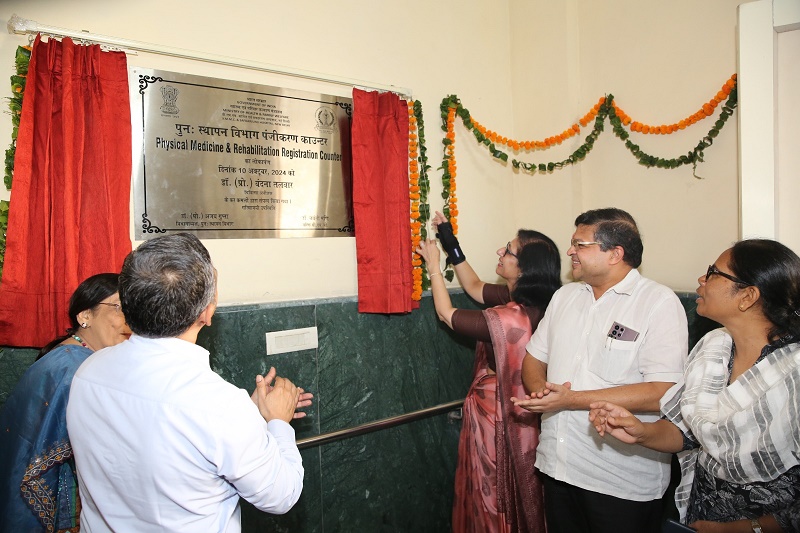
<point x="665" y="129"/>
<point x="605" y="107"/>
<point x="575" y="129"/>
<point x="705" y="111"/>
<point x="450" y="208"/>
<point x="695" y="155"/>
<point x="418" y="190"/>
<point x="413" y="181"/>
<point x="536" y="145"/>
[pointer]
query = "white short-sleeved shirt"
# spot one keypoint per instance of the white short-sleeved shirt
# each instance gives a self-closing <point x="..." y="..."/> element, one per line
<point x="572" y="339"/>
<point x="163" y="443"/>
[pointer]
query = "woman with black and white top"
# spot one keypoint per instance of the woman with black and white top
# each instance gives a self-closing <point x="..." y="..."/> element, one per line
<point x="734" y="419"/>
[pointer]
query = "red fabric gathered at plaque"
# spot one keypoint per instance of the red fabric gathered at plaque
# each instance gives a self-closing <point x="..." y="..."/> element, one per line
<point x="69" y="216"/>
<point x="381" y="202"/>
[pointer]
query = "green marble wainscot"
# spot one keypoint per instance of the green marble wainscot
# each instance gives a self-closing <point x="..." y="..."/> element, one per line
<point x="398" y="479"/>
<point x="13" y="363"/>
<point x="698" y="325"/>
<point x="237" y="343"/>
<point x="367" y="367"/>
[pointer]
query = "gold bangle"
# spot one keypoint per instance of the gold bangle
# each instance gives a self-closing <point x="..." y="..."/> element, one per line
<point x="434" y="274"/>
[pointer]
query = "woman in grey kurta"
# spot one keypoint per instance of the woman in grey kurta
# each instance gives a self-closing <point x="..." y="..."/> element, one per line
<point x="733" y="418"/>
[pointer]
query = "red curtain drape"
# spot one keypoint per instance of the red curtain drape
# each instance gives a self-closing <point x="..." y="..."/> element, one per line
<point x="69" y="215"/>
<point x="381" y="202"/>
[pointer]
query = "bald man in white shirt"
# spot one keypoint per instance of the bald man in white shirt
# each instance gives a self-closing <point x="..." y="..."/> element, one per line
<point x="161" y="442"/>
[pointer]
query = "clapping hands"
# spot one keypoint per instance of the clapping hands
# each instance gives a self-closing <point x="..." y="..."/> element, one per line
<point x="280" y="400"/>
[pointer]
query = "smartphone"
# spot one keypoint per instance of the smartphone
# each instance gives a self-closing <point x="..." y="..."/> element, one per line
<point x="673" y="526"/>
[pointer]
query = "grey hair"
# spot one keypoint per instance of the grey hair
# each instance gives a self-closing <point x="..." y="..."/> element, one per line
<point x="165" y="285"/>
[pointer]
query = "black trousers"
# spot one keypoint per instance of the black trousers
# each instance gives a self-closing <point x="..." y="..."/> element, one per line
<point x="569" y="509"/>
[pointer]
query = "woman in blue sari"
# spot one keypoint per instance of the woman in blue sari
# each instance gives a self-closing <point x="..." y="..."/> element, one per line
<point x="38" y="486"/>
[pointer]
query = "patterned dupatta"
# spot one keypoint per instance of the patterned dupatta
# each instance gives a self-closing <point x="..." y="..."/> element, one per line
<point x="38" y="486"/>
<point x="748" y="430"/>
<point x="519" y="489"/>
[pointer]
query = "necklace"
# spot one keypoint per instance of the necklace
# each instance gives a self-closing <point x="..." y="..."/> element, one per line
<point x="83" y="343"/>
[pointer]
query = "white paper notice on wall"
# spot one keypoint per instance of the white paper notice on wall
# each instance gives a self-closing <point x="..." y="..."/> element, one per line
<point x="291" y="340"/>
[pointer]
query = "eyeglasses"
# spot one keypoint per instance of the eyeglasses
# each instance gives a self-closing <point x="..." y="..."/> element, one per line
<point x="575" y="243"/>
<point x="509" y="252"/>
<point x="714" y="270"/>
<point x="118" y="307"/>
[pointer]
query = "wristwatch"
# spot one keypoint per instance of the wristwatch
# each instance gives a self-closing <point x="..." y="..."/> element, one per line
<point x="755" y="525"/>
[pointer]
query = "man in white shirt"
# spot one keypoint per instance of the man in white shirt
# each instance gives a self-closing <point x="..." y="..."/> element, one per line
<point x="613" y="335"/>
<point x="161" y="442"/>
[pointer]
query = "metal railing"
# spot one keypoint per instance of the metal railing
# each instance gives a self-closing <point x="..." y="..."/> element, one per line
<point x="377" y="425"/>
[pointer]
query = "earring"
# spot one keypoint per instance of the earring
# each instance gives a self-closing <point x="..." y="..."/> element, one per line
<point x="84" y="325"/>
<point x="741" y="307"/>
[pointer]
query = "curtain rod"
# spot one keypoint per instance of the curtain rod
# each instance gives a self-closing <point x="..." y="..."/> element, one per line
<point x="20" y="26"/>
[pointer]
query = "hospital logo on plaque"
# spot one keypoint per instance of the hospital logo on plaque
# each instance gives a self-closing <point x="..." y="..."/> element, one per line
<point x="326" y="120"/>
<point x="170" y="95"/>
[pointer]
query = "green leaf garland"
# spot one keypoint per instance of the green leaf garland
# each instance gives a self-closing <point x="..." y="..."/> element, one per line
<point x="21" y="61"/>
<point x="693" y="157"/>
<point x="424" y="186"/>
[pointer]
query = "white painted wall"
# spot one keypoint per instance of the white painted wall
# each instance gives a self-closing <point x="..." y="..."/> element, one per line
<point x="757" y="126"/>
<point x="769" y="66"/>
<point x="431" y="47"/>
<point x="525" y="68"/>
<point x="787" y="153"/>
<point x="661" y="61"/>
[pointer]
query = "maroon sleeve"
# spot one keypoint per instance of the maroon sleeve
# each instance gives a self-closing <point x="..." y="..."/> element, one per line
<point x="471" y="323"/>
<point x="494" y="294"/>
<point x="535" y="315"/>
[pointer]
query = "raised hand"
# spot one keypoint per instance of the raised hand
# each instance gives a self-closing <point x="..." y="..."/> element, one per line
<point x="438" y="218"/>
<point x="429" y="252"/>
